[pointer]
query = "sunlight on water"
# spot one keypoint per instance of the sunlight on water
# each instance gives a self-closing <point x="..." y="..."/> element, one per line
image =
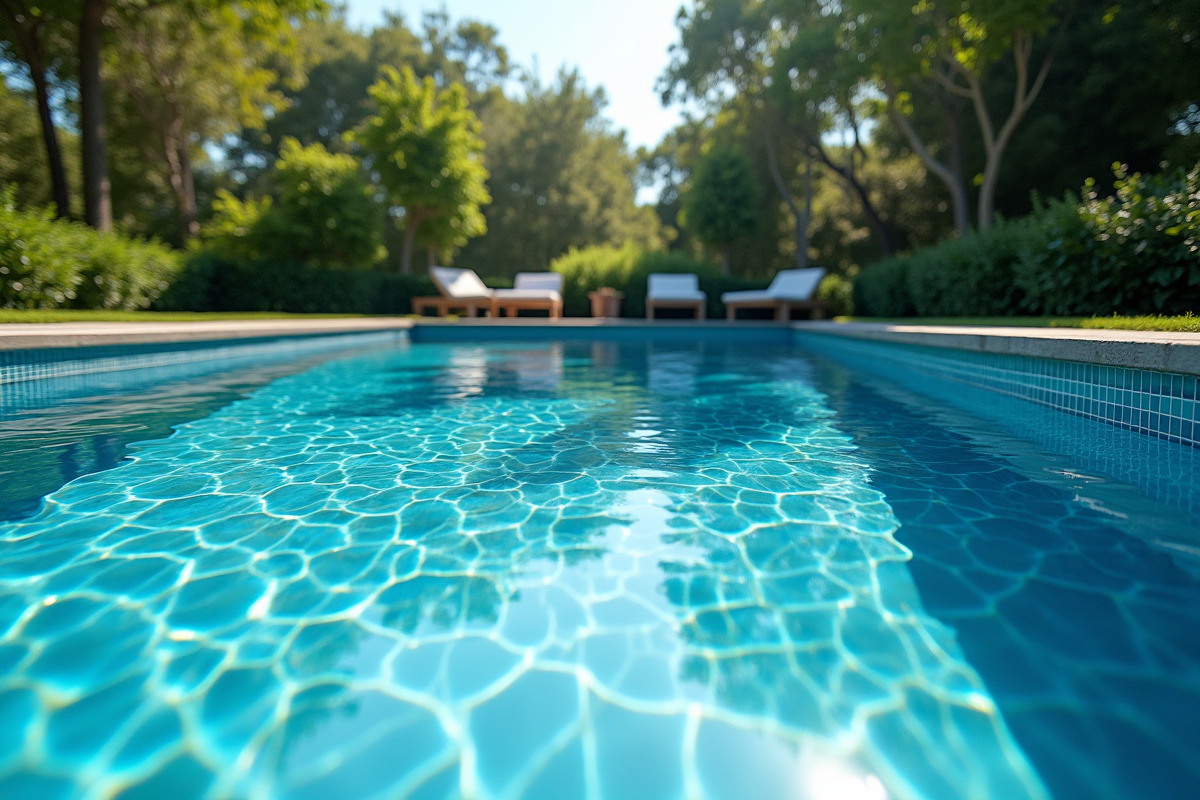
<point x="498" y="572"/>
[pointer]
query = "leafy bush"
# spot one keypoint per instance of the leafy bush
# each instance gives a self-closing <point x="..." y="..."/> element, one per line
<point x="323" y="214"/>
<point x="48" y="263"/>
<point x="837" y="292"/>
<point x="210" y="282"/>
<point x="1137" y="252"/>
<point x="972" y="275"/>
<point x="626" y="269"/>
<point x="881" y="290"/>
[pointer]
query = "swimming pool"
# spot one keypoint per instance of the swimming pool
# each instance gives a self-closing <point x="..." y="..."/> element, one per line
<point x="603" y="569"/>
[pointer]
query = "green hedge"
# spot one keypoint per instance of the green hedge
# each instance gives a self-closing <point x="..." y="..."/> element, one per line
<point x="1137" y="252"/>
<point x="210" y="282"/>
<point x="49" y="263"/>
<point x="881" y="290"/>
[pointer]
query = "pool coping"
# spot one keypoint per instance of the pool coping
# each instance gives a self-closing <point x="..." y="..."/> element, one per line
<point x="1158" y="351"/>
<point x="1149" y="350"/>
<point x="39" y="336"/>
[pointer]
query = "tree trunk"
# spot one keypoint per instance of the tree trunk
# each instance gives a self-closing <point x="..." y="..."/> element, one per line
<point x="187" y="212"/>
<point x="802" y="235"/>
<point x="949" y="174"/>
<point x="800" y="221"/>
<point x="30" y="43"/>
<point x="54" y="159"/>
<point x="179" y="162"/>
<point x="97" y="200"/>
<point x="1023" y="98"/>
<point x="410" y="238"/>
<point x="725" y="248"/>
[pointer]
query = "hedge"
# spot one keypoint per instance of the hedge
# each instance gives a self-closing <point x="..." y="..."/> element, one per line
<point x="1137" y="252"/>
<point x="210" y="282"/>
<point x="47" y="263"/>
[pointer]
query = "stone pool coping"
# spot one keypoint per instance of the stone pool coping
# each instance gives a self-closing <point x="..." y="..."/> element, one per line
<point x="36" y="336"/>
<point x="1158" y="351"/>
<point x="1150" y="350"/>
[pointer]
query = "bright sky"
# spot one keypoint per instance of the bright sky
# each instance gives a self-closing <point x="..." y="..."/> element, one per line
<point x="618" y="44"/>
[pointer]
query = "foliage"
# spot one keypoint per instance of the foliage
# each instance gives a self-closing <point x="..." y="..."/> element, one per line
<point x="34" y="316"/>
<point x="210" y="282"/>
<point x="425" y="147"/>
<point x="22" y="156"/>
<point x="1137" y="252"/>
<point x="187" y="74"/>
<point x="626" y="269"/>
<point x="971" y="275"/>
<point x="837" y="292"/>
<point x="881" y="290"/>
<point x="323" y="214"/>
<point x="721" y="204"/>
<point x="47" y="263"/>
<point x="560" y="179"/>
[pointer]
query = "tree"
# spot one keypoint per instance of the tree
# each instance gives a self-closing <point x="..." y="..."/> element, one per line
<point x="778" y="60"/>
<point x="38" y="33"/>
<point x="195" y="75"/>
<point x="425" y="147"/>
<point x="560" y="179"/>
<point x="721" y="205"/>
<point x="944" y="50"/>
<point x="323" y="212"/>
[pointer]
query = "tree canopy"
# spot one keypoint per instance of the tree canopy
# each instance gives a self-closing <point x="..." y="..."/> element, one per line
<point x="721" y="204"/>
<point x="425" y="146"/>
<point x="869" y="126"/>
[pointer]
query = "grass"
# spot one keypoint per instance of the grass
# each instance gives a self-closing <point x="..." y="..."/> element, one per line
<point x="1188" y="323"/>
<point x="56" y="315"/>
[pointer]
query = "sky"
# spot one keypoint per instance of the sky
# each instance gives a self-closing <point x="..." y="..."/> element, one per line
<point x="620" y="45"/>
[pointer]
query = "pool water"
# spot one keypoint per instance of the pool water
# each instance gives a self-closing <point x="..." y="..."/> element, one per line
<point x="594" y="570"/>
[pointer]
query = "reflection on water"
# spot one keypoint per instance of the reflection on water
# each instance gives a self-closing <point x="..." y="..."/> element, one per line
<point x="508" y="571"/>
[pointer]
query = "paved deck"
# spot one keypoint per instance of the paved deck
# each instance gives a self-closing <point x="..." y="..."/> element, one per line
<point x="1167" y="352"/>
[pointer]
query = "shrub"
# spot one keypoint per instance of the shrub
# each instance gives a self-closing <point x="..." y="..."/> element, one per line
<point x="881" y="290"/>
<point x="626" y="269"/>
<point x="210" y="282"/>
<point x="973" y="275"/>
<point x="1137" y="252"/>
<point x="837" y="292"/>
<point x="324" y="214"/>
<point x="48" y="263"/>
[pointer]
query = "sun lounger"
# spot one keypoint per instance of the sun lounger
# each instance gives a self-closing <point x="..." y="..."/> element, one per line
<point x="460" y="289"/>
<point x="674" y="291"/>
<point x="791" y="288"/>
<point x="531" y="290"/>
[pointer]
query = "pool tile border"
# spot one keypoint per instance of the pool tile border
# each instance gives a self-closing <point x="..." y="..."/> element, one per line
<point x="1165" y="405"/>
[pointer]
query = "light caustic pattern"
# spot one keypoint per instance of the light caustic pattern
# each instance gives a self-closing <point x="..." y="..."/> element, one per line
<point x="551" y="571"/>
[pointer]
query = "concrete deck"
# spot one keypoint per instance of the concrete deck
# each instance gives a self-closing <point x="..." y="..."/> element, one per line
<point x="1166" y="352"/>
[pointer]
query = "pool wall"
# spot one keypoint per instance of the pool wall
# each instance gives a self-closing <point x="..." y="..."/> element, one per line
<point x="35" y="377"/>
<point x="1158" y="404"/>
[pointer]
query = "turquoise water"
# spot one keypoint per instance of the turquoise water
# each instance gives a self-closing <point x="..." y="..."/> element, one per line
<point x="588" y="570"/>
